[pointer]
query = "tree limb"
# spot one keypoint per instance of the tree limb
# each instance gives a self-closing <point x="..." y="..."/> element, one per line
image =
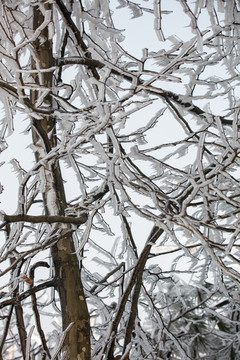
<point x="46" y="218"/>
<point x="27" y="293"/>
<point x="154" y="235"/>
<point x="35" y="307"/>
<point x="5" y="331"/>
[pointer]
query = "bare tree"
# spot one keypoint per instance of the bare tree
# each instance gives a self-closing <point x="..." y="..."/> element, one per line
<point x="131" y="180"/>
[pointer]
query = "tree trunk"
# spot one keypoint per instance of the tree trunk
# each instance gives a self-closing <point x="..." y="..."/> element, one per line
<point x="66" y="264"/>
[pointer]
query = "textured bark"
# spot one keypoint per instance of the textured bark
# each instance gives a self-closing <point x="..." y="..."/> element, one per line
<point x="66" y="264"/>
<point x="46" y="218"/>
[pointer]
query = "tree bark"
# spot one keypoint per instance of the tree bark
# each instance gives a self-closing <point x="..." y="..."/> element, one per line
<point x="67" y="268"/>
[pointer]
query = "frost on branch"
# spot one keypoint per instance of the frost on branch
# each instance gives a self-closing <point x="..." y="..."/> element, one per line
<point x="134" y="182"/>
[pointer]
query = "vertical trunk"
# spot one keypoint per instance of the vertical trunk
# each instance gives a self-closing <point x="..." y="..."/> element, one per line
<point x="70" y="289"/>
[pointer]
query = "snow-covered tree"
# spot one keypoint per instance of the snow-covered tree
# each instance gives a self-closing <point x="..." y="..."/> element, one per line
<point x="127" y="170"/>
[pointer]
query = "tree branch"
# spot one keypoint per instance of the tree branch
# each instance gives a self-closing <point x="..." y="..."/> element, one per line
<point x="78" y="60"/>
<point x="75" y="31"/>
<point x="27" y="293"/>
<point x="154" y="235"/>
<point x="46" y="218"/>
<point x="35" y="307"/>
<point x="166" y="95"/>
<point x="5" y="331"/>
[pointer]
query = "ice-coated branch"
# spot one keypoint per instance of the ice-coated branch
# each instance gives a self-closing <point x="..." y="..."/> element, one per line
<point x="35" y="305"/>
<point x="167" y="95"/>
<point x="156" y="232"/>
<point x="6" y="328"/>
<point x="27" y="293"/>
